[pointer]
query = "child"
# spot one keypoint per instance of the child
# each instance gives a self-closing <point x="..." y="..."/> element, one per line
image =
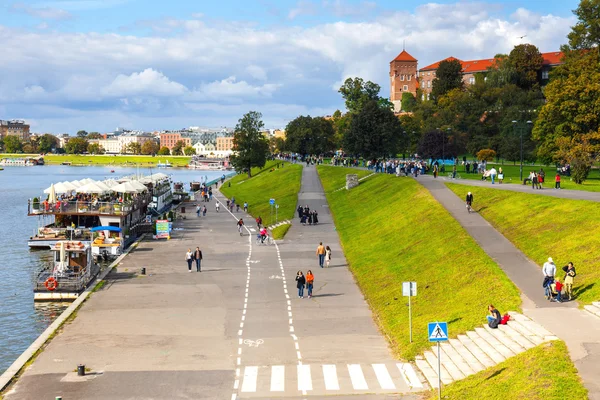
<point x="557" y="181"/>
<point x="558" y="287"/>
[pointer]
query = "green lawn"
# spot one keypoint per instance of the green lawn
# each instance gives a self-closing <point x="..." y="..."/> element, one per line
<point x="53" y="159"/>
<point x="543" y="226"/>
<point x="392" y="230"/>
<point x="335" y="179"/>
<point x="270" y="182"/>
<point x="542" y="373"/>
<point x="512" y="175"/>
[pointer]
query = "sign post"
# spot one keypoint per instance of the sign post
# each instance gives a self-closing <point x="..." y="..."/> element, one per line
<point x="162" y="229"/>
<point x="438" y="332"/>
<point x="409" y="289"/>
<point x="271" y="202"/>
<point x="276" y="209"/>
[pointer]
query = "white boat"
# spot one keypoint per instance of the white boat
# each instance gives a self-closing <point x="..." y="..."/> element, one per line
<point x="163" y="165"/>
<point x="72" y="270"/>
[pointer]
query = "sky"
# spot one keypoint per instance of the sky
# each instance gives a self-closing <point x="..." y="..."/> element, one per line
<point x="151" y="65"/>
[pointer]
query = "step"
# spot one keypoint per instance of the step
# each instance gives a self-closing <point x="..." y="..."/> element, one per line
<point x="451" y="366"/>
<point x="433" y="363"/>
<point x="427" y="372"/>
<point x="535" y="339"/>
<point x="503" y="338"/>
<point x="592" y="309"/>
<point x="531" y="325"/>
<point x="456" y="358"/>
<point x="596" y="303"/>
<point x="482" y="357"/>
<point x="466" y="355"/>
<point x="495" y="343"/>
<point x="485" y="347"/>
<point x="516" y="336"/>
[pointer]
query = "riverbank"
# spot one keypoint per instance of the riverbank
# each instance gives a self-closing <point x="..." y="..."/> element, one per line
<point x="110" y="160"/>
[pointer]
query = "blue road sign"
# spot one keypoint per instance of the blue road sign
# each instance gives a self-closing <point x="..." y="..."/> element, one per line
<point x="438" y="331"/>
<point x="272" y="201"/>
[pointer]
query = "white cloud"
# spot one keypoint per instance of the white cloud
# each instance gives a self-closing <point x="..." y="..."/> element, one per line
<point x="303" y="7"/>
<point x="234" y="89"/>
<point x="148" y="82"/>
<point x="341" y="8"/>
<point x="41" y="12"/>
<point x="257" y="72"/>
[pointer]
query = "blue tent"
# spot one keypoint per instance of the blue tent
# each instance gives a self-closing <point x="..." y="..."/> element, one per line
<point x="106" y="228"/>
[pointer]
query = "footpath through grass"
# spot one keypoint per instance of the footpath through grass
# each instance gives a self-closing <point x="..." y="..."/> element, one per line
<point x="543" y="226"/>
<point x="392" y="230"/>
<point x="542" y="373"/>
<point x="269" y="182"/>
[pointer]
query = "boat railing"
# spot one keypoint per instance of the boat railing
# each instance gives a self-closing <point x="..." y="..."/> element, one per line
<point x="68" y="281"/>
<point x="88" y="207"/>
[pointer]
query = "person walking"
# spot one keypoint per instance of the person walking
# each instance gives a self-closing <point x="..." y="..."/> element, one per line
<point x="321" y="254"/>
<point x="569" y="275"/>
<point x="557" y="181"/>
<point x="469" y="200"/>
<point x="315" y="217"/>
<point x="327" y="256"/>
<point x="493" y="174"/>
<point x="300" y="211"/>
<point x="300" y="282"/>
<point x="240" y="225"/>
<point x="258" y="222"/>
<point x="217" y="206"/>
<point x="204" y="211"/>
<point x="549" y="271"/>
<point x="198" y="258"/>
<point x="245" y="207"/>
<point x="189" y="257"/>
<point x="310" y="280"/>
<point x="198" y="210"/>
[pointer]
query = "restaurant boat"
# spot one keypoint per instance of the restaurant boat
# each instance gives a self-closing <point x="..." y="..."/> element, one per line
<point x="205" y="164"/>
<point x="72" y="270"/>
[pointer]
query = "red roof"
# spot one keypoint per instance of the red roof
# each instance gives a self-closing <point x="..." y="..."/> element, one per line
<point x="404" y="56"/>
<point x="553" y="58"/>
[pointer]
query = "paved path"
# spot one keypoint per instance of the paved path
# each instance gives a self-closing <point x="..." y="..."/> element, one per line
<point x="578" y="328"/>
<point x="236" y="330"/>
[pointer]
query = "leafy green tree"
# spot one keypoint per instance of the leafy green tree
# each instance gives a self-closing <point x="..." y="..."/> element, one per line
<point x="447" y="77"/>
<point x="341" y="124"/>
<point x="189" y="151"/>
<point x="585" y="34"/>
<point x="307" y="135"/>
<point x="502" y="72"/>
<point x="435" y="144"/>
<point x="150" y="147"/>
<point x="28" y="148"/>
<point x="412" y="128"/>
<point x="177" y="150"/>
<point x="527" y="62"/>
<point x="12" y="144"/>
<point x="1" y="144"/>
<point x="95" y="148"/>
<point x="164" y="151"/>
<point x="93" y="135"/>
<point x="133" y="148"/>
<point x="408" y="102"/>
<point x="76" y="145"/>
<point x="250" y="147"/>
<point x="374" y="132"/>
<point x="82" y="134"/>
<point x="47" y="143"/>
<point x="277" y="144"/>
<point x="356" y="92"/>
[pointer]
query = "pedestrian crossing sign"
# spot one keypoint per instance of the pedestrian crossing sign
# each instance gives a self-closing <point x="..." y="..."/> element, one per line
<point x="438" y="331"/>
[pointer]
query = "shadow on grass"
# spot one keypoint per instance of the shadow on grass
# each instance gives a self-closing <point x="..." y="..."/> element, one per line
<point x="580" y="291"/>
<point x="495" y="374"/>
<point x="454" y="320"/>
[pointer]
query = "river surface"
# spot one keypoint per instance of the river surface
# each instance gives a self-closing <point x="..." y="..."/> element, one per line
<point x="22" y="321"/>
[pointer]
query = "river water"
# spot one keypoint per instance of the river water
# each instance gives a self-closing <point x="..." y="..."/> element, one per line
<point x="22" y="321"/>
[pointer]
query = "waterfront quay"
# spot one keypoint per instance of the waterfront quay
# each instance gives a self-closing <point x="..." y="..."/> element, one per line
<point x="235" y="330"/>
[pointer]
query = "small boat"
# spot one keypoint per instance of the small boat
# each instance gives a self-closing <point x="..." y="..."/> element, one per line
<point x="112" y="171"/>
<point x="73" y="269"/>
<point x="163" y="165"/>
<point x="108" y="242"/>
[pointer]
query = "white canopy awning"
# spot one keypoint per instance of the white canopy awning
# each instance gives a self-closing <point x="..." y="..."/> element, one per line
<point x="128" y="187"/>
<point x="92" y="187"/>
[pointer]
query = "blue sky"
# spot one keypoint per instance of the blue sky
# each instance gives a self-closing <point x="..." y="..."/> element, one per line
<point x="148" y="64"/>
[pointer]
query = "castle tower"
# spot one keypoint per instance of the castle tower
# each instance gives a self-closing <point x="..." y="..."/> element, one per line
<point x="403" y="78"/>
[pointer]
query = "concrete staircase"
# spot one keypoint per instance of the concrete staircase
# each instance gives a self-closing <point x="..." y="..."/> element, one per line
<point x="483" y="348"/>
<point x="270" y="227"/>
<point x="593" y="308"/>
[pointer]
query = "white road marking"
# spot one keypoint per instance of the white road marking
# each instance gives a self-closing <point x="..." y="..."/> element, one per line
<point x="383" y="376"/>
<point x="250" y="376"/>
<point x="409" y="375"/>
<point x="277" y="378"/>
<point x="304" y="379"/>
<point x="330" y="377"/>
<point x="357" y="377"/>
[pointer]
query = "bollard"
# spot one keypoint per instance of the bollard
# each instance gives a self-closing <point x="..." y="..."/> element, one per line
<point x="81" y="370"/>
<point x="144" y="271"/>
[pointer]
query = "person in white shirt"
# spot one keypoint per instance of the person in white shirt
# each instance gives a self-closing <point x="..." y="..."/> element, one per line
<point x="549" y="270"/>
<point x="493" y="173"/>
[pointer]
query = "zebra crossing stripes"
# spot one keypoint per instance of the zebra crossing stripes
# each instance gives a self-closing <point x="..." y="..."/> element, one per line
<point x="330" y="378"/>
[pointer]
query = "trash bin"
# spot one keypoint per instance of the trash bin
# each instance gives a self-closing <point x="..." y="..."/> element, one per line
<point x="183" y="210"/>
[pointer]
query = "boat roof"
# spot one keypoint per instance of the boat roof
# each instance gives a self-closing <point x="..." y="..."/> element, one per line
<point x="106" y="228"/>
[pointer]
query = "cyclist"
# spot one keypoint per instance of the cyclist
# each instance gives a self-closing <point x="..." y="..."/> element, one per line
<point x="469" y="200"/>
<point x="245" y="207"/>
<point x="240" y="225"/>
<point x="258" y="222"/>
<point x="263" y="234"/>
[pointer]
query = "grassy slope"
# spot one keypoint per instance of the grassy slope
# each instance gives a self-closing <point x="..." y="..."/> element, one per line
<point x="511" y="175"/>
<point x="282" y="184"/>
<point x="178" y="161"/>
<point x="543" y="226"/>
<point x="544" y="372"/>
<point x="392" y="230"/>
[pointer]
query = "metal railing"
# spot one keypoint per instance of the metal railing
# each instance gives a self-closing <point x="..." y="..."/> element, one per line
<point x="68" y="281"/>
<point x="88" y="207"/>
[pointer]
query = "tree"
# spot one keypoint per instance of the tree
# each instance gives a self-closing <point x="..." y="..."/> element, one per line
<point x="341" y="124"/>
<point x="164" y="151"/>
<point x="581" y="152"/>
<point x="374" y="132"/>
<point x="12" y="144"/>
<point x="408" y="102"/>
<point x="307" y="135"/>
<point x="133" y="148"/>
<point x="150" y="147"/>
<point x="586" y="33"/>
<point x="486" y="155"/>
<point x="76" y="145"/>
<point x="82" y="134"/>
<point x="527" y="62"/>
<point x="95" y="148"/>
<point x="447" y="77"/>
<point x="94" y="135"/>
<point x="250" y="147"/>
<point x="177" y="150"/>
<point x="502" y="72"/>
<point x="189" y="151"/>
<point x="436" y="144"/>
<point x="356" y="92"/>
<point x="47" y="143"/>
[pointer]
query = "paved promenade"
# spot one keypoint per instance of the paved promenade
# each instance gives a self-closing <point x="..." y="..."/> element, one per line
<point x="236" y="330"/>
<point x="578" y="328"/>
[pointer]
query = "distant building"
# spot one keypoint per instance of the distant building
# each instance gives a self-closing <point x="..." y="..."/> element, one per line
<point x="225" y="143"/>
<point x="403" y="78"/>
<point x="14" y="128"/>
<point x="170" y="139"/>
<point x="279" y="133"/>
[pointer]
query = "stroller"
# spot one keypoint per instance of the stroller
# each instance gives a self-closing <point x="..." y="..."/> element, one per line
<point x="549" y="288"/>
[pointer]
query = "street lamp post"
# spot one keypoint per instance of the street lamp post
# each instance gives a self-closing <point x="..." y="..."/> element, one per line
<point x="529" y="123"/>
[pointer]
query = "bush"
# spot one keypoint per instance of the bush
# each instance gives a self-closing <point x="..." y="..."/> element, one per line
<point x="36" y="203"/>
<point x="486" y="155"/>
